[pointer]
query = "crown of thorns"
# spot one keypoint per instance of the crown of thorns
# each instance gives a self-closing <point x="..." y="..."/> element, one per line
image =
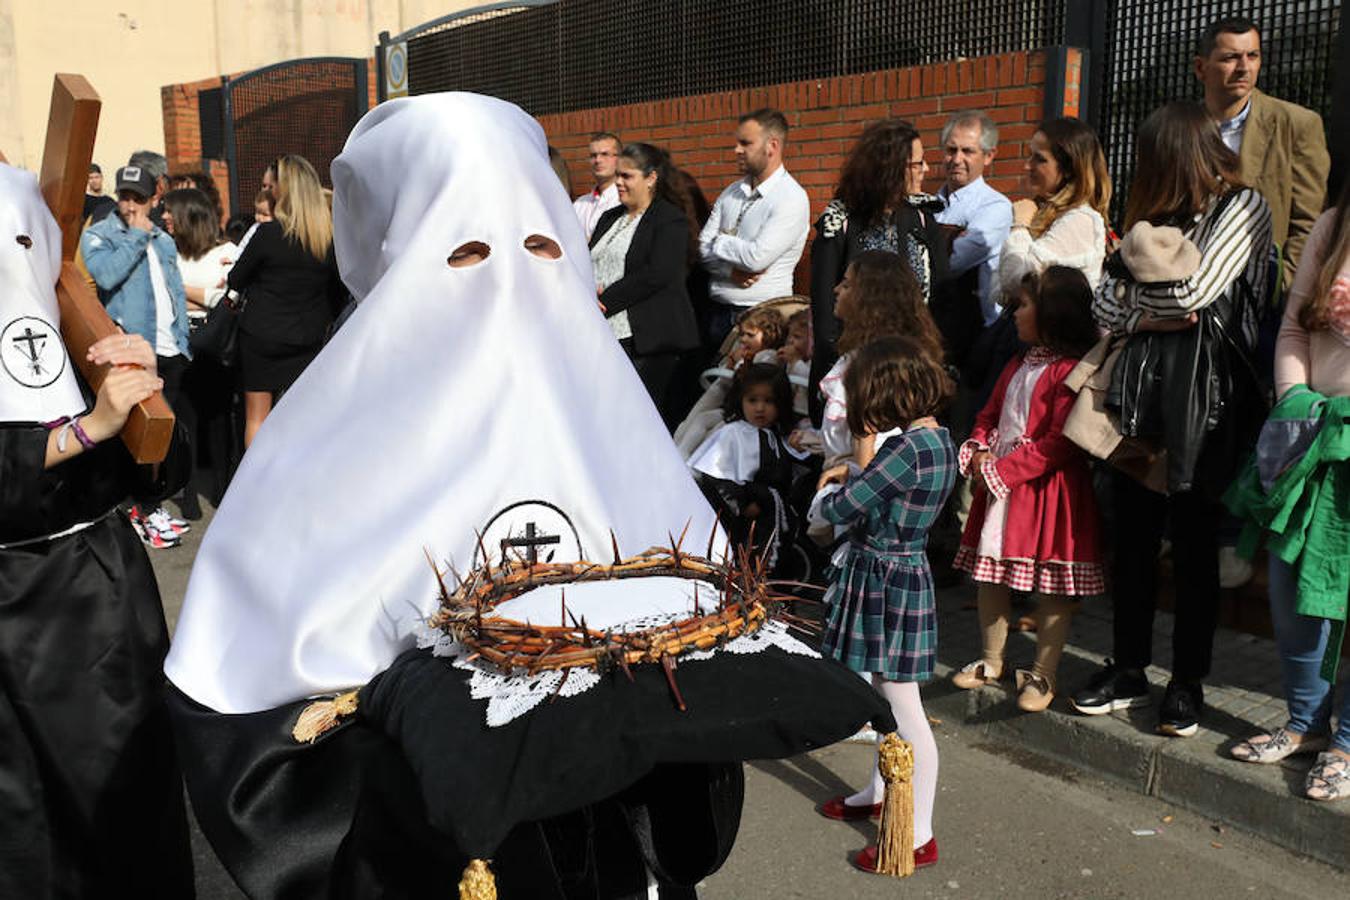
<point x="744" y="602"/>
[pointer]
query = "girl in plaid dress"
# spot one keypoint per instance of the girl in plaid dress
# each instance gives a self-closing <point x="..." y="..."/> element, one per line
<point x="1033" y="525"/>
<point x="882" y="620"/>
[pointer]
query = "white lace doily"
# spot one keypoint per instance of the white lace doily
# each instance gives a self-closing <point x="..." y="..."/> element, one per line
<point x="511" y="696"/>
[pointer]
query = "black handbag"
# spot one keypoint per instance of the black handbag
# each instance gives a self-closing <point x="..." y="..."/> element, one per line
<point x="218" y="336"/>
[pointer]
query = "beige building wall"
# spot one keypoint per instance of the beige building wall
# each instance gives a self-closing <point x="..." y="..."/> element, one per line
<point x="128" y="49"/>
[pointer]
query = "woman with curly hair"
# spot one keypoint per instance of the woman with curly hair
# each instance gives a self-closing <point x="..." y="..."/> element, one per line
<point x="879" y="205"/>
<point x="877" y="297"/>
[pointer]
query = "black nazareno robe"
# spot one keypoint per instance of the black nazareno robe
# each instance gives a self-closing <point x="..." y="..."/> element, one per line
<point x="568" y="801"/>
<point x="91" y="800"/>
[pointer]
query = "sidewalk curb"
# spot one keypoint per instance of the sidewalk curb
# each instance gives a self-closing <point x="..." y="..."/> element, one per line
<point x="1191" y="773"/>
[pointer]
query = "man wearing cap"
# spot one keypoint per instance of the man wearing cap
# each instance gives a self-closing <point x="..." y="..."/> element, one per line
<point x="134" y="264"/>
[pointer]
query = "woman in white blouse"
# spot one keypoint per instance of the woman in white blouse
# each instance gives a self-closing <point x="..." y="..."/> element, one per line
<point x="1064" y="223"/>
<point x="204" y="259"/>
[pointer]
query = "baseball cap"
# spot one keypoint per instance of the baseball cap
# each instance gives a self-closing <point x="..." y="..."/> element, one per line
<point x="137" y="180"/>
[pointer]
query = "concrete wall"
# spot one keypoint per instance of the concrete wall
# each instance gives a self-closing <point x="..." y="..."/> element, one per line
<point x="129" y="49"/>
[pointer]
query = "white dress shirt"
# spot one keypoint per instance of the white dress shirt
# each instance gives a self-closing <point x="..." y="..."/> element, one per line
<point x="757" y="229"/>
<point x="985" y="216"/>
<point x="593" y="204"/>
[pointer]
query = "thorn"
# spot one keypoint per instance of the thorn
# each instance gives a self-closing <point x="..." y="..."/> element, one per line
<point x="564" y="607"/>
<point x="668" y="664"/>
<point x="623" y="664"/>
<point x="680" y="542"/>
<point x="615" y="543"/>
<point x="674" y="548"/>
<point x="712" y="537"/>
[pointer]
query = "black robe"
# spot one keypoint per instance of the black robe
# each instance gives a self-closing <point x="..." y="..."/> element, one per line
<point x="91" y="800"/>
<point x="569" y="801"/>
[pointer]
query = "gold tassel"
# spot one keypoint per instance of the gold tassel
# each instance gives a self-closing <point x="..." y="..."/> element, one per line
<point x="895" y="838"/>
<point x="321" y="716"/>
<point x="477" y="883"/>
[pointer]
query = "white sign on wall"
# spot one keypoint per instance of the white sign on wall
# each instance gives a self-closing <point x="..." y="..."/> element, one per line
<point x="396" y="70"/>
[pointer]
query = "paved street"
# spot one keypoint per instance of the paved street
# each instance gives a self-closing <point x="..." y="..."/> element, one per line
<point x="1009" y="825"/>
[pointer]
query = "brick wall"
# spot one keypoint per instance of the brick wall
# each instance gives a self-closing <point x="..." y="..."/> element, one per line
<point x="826" y="116"/>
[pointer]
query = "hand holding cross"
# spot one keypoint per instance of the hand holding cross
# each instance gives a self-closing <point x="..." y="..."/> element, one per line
<point x="71" y="127"/>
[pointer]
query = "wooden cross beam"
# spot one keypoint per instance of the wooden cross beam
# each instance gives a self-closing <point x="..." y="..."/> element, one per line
<point x="72" y="125"/>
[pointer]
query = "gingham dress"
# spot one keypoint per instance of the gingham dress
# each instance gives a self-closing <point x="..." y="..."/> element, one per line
<point x="881" y="606"/>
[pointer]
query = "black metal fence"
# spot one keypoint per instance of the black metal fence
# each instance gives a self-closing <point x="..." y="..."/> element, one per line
<point x="560" y="55"/>
<point x="1149" y="52"/>
<point x="304" y="106"/>
<point x="581" y="54"/>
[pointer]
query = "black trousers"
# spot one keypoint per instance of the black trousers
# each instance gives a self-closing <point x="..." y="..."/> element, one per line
<point x="173" y="369"/>
<point x="1141" y="516"/>
<point x="657" y="371"/>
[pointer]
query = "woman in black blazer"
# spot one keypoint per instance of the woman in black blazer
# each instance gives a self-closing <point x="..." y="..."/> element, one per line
<point x="640" y="250"/>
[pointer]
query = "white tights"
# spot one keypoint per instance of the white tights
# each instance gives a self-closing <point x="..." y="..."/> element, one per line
<point x="912" y="725"/>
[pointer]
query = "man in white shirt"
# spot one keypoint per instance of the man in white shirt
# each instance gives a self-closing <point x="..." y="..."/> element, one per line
<point x="604" y="156"/>
<point x="754" y="237"/>
<point x="981" y="215"/>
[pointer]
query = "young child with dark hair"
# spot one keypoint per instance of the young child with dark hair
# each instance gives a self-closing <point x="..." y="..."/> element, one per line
<point x="882" y="619"/>
<point x="1033" y="526"/>
<point x="760" y="334"/>
<point x="745" y="467"/>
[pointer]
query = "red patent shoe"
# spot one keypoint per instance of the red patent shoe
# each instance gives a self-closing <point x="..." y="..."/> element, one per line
<point x="840" y="811"/>
<point x="866" y="858"/>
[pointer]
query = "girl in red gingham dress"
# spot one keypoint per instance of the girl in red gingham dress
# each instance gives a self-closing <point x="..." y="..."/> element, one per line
<point x="1033" y="525"/>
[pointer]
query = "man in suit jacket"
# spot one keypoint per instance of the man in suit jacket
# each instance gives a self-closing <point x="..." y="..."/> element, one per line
<point x="1282" y="146"/>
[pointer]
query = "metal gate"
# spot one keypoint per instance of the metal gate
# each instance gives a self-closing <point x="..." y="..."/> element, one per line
<point x="1150" y="48"/>
<point x="304" y="106"/>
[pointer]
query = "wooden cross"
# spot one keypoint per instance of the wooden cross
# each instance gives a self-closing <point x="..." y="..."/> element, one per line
<point x="71" y="127"/>
<point x="532" y="541"/>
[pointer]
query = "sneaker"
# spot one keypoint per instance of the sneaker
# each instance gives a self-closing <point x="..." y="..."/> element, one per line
<point x="1181" y="707"/>
<point x="152" y="535"/>
<point x="1111" y="689"/>
<point x="161" y="519"/>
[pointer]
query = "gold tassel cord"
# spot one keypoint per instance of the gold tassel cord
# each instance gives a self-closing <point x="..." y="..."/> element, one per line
<point x="322" y="716"/>
<point x="895" y="838"/>
<point x="477" y="882"/>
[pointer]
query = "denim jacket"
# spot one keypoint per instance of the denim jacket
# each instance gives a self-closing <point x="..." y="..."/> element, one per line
<point x="116" y="259"/>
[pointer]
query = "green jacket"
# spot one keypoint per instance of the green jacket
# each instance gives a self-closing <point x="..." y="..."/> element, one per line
<point x="1305" y="513"/>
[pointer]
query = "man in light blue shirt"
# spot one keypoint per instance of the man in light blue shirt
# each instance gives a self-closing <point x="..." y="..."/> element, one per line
<point x="982" y="215"/>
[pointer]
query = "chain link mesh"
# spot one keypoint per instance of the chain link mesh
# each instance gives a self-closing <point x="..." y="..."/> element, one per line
<point x="1150" y="55"/>
<point x="583" y="54"/>
<point x="306" y="107"/>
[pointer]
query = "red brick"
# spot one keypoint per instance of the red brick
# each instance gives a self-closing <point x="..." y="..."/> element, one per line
<point x="915" y="106"/>
<point x="1019" y="95"/>
<point x="866" y="113"/>
<point x="951" y="103"/>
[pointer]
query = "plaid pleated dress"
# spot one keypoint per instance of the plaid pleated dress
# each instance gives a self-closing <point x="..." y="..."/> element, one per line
<point x="882" y="615"/>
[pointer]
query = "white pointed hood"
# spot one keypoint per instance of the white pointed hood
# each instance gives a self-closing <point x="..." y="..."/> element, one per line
<point x="448" y="395"/>
<point x="37" y="380"/>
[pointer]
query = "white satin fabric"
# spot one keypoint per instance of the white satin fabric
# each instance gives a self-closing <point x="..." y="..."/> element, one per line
<point x="449" y="394"/>
<point x="37" y="378"/>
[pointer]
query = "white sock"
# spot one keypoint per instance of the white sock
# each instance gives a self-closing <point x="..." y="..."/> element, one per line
<point x="912" y="725"/>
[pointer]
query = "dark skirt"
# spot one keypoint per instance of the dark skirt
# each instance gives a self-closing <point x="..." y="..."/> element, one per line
<point x="882" y="615"/>
<point x="268" y="366"/>
<point x="91" y="801"/>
